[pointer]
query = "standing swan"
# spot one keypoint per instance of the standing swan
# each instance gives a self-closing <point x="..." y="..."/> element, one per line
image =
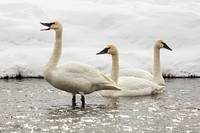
<point x="156" y="77"/>
<point x="75" y="78"/>
<point x="131" y="86"/>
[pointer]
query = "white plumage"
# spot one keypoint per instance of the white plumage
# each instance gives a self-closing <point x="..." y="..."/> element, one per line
<point x="131" y="86"/>
<point x="136" y="72"/>
<point x="156" y="76"/>
<point x="75" y="78"/>
<point x="78" y="78"/>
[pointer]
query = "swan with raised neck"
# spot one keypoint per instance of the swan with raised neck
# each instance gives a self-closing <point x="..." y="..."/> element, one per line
<point x="157" y="72"/>
<point x="75" y="78"/>
<point x="55" y="57"/>
<point x="156" y="75"/>
<point x="112" y="50"/>
<point x="131" y="86"/>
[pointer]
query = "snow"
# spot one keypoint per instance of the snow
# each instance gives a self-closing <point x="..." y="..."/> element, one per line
<point x="89" y="25"/>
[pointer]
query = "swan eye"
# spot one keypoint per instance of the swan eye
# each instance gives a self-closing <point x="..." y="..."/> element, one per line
<point x="106" y="50"/>
<point x="52" y="23"/>
<point x="163" y="43"/>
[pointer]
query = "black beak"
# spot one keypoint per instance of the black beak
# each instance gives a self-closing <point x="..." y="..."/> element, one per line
<point x="104" y="51"/>
<point x="46" y="24"/>
<point x="166" y="46"/>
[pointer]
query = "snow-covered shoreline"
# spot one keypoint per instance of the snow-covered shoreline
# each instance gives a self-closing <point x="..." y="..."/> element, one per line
<point x="133" y="26"/>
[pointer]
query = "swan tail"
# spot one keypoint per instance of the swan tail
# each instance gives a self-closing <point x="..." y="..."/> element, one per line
<point x="108" y="79"/>
<point x="112" y="87"/>
<point x="107" y="87"/>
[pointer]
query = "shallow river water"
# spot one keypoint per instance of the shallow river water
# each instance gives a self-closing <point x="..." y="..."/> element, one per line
<point x="33" y="105"/>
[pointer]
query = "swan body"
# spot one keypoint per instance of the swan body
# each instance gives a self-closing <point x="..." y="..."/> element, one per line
<point x="156" y="77"/>
<point x="75" y="78"/>
<point x="136" y="72"/>
<point x="131" y="86"/>
<point x="78" y="78"/>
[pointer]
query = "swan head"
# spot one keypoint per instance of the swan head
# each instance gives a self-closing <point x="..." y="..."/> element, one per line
<point x="52" y="26"/>
<point x="110" y="49"/>
<point x="161" y="44"/>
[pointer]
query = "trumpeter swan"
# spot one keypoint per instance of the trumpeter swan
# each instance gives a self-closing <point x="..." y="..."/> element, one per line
<point x="131" y="86"/>
<point x="156" y="77"/>
<point x="75" y="78"/>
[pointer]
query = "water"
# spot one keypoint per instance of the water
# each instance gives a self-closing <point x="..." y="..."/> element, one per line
<point x="32" y="105"/>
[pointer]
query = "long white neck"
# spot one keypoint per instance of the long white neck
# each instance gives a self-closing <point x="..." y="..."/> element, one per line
<point x="115" y="67"/>
<point x="53" y="61"/>
<point x="157" y="73"/>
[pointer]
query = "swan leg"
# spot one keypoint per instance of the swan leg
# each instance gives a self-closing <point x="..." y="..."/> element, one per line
<point x="83" y="100"/>
<point x="74" y="100"/>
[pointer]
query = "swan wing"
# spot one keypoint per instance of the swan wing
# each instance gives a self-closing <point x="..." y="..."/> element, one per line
<point x="135" y="72"/>
<point x="84" y="78"/>
<point x="132" y="86"/>
<point x="108" y="78"/>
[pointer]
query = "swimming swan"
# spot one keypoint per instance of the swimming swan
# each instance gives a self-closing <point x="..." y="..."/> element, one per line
<point x="156" y="77"/>
<point x="74" y="77"/>
<point x="131" y="86"/>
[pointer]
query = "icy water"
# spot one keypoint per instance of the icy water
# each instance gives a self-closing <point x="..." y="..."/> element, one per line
<point x="32" y="105"/>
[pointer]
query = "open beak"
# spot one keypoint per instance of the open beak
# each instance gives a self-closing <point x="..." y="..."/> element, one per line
<point x="46" y="24"/>
<point x="104" y="51"/>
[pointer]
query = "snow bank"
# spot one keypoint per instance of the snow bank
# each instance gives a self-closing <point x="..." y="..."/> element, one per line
<point x="133" y="26"/>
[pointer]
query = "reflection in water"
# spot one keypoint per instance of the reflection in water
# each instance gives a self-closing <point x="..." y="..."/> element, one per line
<point x="32" y="105"/>
<point x="90" y="118"/>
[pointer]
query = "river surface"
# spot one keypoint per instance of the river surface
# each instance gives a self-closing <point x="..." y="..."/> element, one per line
<point x="33" y="105"/>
